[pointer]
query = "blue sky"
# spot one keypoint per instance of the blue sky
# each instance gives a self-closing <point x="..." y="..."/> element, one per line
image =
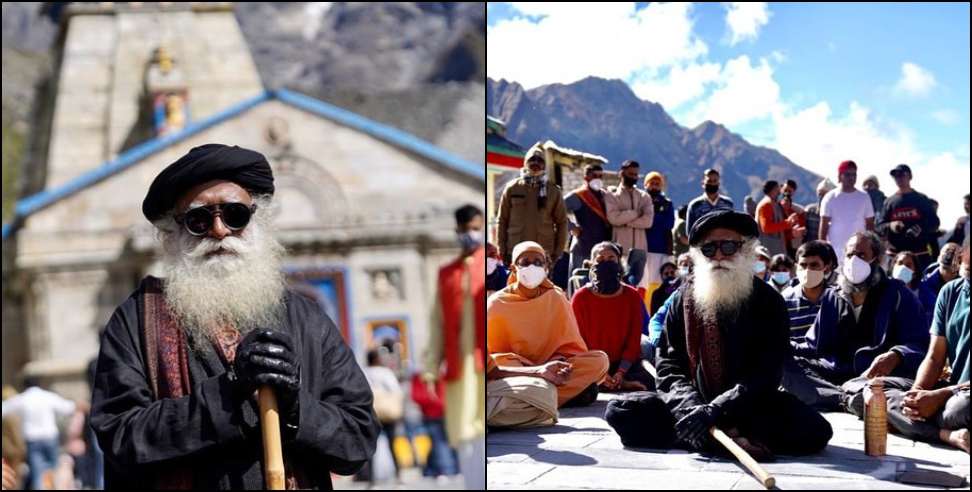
<point x="877" y="83"/>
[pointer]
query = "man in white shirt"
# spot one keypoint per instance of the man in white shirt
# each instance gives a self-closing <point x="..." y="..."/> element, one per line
<point x="39" y="411"/>
<point x="845" y="211"/>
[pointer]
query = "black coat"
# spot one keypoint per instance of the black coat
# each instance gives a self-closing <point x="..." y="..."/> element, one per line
<point x="206" y="433"/>
<point x="756" y="344"/>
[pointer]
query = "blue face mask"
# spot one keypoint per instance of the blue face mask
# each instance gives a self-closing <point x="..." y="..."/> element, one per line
<point x="470" y="240"/>
<point x="781" y="277"/>
<point x="903" y="273"/>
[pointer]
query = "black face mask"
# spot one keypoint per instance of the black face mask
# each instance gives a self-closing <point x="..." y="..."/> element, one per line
<point x="654" y="193"/>
<point x="606" y="277"/>
<point x="629" y="182"/>
<point x="711" y="189"/>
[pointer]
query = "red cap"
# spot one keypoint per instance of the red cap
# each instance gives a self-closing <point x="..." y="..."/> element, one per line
<point x="844" y="166"/>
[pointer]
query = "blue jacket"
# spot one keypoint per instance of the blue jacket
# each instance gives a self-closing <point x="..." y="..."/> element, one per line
<point x="659" y="235"/>
<point x="926" y="297"/>
<point x="701" y="206"/>
<point x="933" y="280"/>
<point x="497" y="281"/>
<point x="899" y="325"/>
<point x="657" y="323"/>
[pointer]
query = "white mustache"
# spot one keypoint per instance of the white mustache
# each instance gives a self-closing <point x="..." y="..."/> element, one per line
<point x="728" y="264"/>
<point x="230" y="244"/>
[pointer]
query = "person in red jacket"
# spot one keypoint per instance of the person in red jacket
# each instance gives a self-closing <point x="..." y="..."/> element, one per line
<point x="773" y="224"/>
<point x="442" y="458"/>
<point x="456" y="351"/>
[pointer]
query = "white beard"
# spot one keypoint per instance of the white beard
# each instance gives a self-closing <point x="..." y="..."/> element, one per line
<point x="722" y="291"/>
<point x="243" y="288"/>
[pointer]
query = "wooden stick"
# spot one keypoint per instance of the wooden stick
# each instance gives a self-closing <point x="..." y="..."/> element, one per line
<point x="273" y="467"/>
<point x="761" y="475"/>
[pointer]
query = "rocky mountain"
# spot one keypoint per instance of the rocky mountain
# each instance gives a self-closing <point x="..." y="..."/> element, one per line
<point x="419" y="66"/>
<point x="371" y="46"/>
<point x="605" y="117"/>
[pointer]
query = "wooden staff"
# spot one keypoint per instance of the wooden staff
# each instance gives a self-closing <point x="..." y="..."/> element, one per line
<point x="273" y="467"/>
<point x="761" y="475"/>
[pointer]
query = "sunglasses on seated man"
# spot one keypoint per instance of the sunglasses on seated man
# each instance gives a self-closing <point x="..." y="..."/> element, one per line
<point x="728" y="247"/>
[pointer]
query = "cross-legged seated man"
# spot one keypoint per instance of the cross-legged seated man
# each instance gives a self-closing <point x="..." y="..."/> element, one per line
<point x="720" y="360"/>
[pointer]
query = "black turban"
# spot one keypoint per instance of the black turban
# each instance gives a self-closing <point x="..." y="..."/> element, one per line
<point x="722" y="218"/>
<point x="245" y="167"/>
<point x="641" y="420"/>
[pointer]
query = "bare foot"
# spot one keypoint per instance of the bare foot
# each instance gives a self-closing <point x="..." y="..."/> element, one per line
<point x="958" y="438"/>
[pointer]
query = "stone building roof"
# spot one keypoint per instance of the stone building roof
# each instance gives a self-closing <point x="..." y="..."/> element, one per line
<point x="391" y="135"/>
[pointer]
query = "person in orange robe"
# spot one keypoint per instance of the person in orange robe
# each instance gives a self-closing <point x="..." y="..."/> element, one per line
<point x="531" y="331"/>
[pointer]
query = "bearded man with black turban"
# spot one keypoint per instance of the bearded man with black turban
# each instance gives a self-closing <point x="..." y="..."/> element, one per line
<point x="173" y="401"/>
<point x="720" y="360"/>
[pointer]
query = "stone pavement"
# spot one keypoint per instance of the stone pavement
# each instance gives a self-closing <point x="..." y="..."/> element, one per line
<point x="582" y="451"/>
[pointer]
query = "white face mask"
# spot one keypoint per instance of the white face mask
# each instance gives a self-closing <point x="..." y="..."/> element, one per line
<point x="810" y="278"/>
<point x="596" y="184"/>
<point x="903" y="273"/>
<point x="856" y="270"/>
<point x="531" y="276"/>
<point x="759" y="267"/>
<point x="491" y="265"/>
<point x="683" y="272"/>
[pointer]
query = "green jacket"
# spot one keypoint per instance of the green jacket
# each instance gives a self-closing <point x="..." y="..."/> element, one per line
<point x="521" y="220"/>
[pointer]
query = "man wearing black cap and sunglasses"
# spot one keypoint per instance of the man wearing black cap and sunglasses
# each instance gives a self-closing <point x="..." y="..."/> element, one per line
<point x="173" y="400"/>
<point x="720" y="360"/>
<point x="909" y="220"/>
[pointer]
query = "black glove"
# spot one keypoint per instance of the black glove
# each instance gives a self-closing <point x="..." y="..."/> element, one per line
<point x="693" y="428"/>
<point x="267" y="357"/>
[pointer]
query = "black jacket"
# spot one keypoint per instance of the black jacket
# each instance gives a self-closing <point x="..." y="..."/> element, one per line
<point x="756" y="343"/>
<point x="217" y="440"/>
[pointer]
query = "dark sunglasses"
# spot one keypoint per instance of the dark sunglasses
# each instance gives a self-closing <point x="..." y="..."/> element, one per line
<point x="198" y="221"/>
<point x="728" y="247"/>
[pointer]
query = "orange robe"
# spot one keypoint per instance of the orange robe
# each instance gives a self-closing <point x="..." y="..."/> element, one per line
<point x="531" y="332"/>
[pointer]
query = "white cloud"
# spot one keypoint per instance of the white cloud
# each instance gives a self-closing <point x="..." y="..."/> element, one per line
<point x="744" y="92"/>
<point x="915" y="80"/>
<point x="946" y="117"/>
<point x="571" y="41"/>
<point x="818" y="139"/>
<point x="945" y="177"/>
<point x="745" y="19"/>
<point x="677" y="86"/>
